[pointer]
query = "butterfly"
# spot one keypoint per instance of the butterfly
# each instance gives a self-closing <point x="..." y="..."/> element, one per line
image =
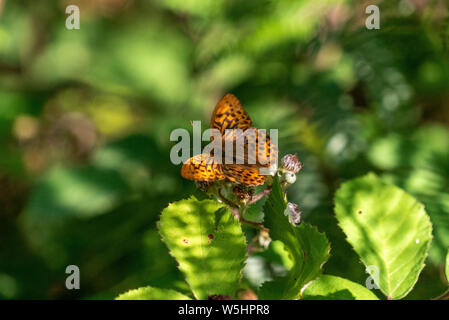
<point x="234" y="124"/>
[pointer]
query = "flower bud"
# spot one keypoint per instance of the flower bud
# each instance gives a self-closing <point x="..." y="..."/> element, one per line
<point x="291" y="163"/>
<point x="246" y="294"/>
<point x="243" y="192"/>
<point x="288" y="177"/>
<point x="204" y="185"/>
<point x="293" y="213"/>
<point x="264" y="238"/>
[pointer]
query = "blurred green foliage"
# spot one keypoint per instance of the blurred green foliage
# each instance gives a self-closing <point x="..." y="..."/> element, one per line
<point x="85" y="119"/>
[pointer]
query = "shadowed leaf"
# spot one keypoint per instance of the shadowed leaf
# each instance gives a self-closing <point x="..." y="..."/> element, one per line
<point x="308" y="249"/>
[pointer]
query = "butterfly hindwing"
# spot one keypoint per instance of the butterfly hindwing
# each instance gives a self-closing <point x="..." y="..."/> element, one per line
<point x="202" y="168"/>
<point x="229" y="114"/>
<point x="247" y="175"/>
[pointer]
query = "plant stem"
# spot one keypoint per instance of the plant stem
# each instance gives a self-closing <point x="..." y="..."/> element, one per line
<point x="258" y="225"/>
<point x="259" y="196"/>
<point x="227" y="201"/>
<point x="239" y="211"/>
<point x="232" y="205"/>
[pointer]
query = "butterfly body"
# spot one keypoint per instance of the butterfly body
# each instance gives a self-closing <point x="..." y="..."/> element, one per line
<point x="235" y="126"/>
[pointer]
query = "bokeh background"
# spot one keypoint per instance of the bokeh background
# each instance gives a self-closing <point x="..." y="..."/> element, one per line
<point x="85" y="119"/>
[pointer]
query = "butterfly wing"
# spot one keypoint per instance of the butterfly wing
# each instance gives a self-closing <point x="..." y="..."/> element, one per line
<point x="258" y="150"/>
<point x="241" y="174"/>
<point x="266" y="150"/>
<point x="229" y="114"/>
<point x="202" y="168"/>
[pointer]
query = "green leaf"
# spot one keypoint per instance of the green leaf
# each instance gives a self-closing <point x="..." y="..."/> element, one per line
<point x="151" y="293"/>
<point x="417" y="163"/>
<point x="308" y="249"/>
<point x="328" y="287"/>
<point x="446" y="270"/>
<point x="389" y="230"/>
<point x="208" y="244"/>
<point x="75" y="192"/>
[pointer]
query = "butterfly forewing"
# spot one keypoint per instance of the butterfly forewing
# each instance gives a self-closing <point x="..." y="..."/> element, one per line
<point x="202" y="168"/>
<point x="229" y="114"/>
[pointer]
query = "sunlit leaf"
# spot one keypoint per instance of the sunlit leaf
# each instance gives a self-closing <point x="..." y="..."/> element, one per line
<point x="446" y="269"/>
<point x="151" y="293"/>
<point x="328" y="287"/>
<point x="208" y="244"/>
<point x="418" y="164"/>
<point x="388" y="229"/>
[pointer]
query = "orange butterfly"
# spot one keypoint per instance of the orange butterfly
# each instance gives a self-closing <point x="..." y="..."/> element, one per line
<point x="229" y="117"/>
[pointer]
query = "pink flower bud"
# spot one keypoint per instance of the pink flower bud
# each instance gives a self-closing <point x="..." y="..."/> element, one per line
<point x="291" y="163"/>
<point x="293" y="213"/>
